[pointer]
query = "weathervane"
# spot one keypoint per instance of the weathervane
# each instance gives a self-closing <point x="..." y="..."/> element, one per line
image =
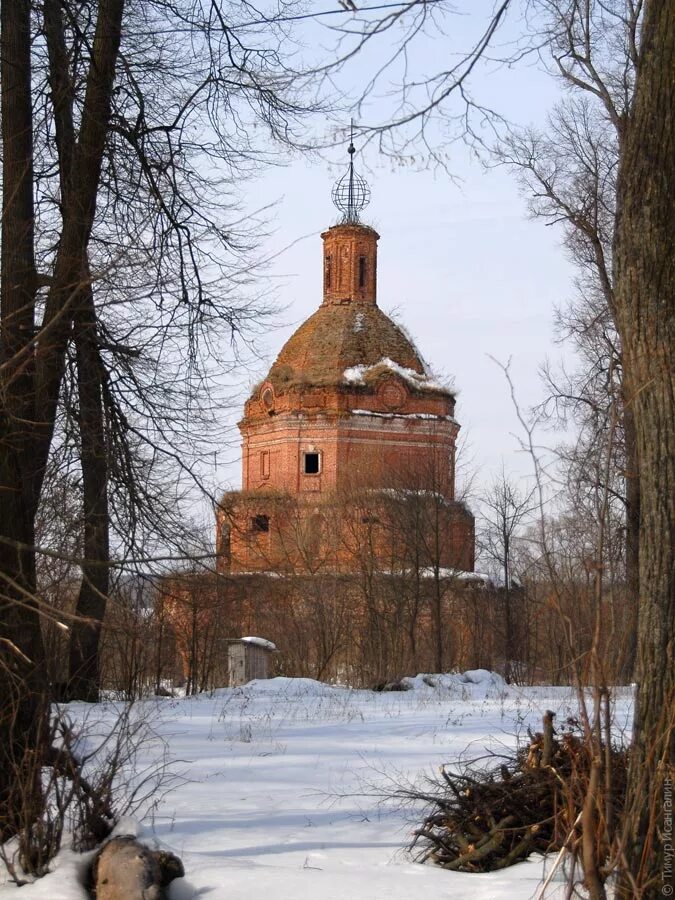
<point x="351" y="193"/>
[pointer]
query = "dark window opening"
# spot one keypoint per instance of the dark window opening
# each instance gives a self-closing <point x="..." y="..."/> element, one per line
<point x="268" y="398"/>
<point x="329" y="270"/>
<point x="311" y="464"/>
<point x="362" y="271"/>
<point x="260" y="524"/>
<point x="224" y="547"/>
<point x="225" y="533"/>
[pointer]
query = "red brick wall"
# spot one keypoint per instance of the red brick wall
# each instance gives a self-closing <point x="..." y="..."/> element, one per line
<point x="350" y="264"/>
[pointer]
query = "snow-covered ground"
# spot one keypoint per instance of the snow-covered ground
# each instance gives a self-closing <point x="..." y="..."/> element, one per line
<point x="280" y="787"/>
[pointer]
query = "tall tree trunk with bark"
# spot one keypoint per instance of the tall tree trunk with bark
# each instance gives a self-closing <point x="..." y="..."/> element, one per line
<point x="84" y="680"/>
<point x="83" y="683"/>
<point x="632" y="540"/>
<point x="644" y="266"/>
<point x="22" y="709"/>
<point x="31" y="370"/>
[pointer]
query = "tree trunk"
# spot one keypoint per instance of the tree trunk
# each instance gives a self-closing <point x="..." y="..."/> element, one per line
<point x="509" y="649"/>
<point x="23" y="711"/>
<point x="644" y="264"/>
<point x="84" y="680"/>
<point x="80" y="193"/>
<point x="632" y="542"/>
<point x="437" y="610"/>
<point x="30" y="380"/>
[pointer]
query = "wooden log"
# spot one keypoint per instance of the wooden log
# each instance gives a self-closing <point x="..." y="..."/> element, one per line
<point x="126" y="870"/>
<point x="491" y="842"/>
<point x="521" y="849"/>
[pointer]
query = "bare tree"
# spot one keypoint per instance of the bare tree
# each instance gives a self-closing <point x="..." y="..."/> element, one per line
<point x="643" y="279"/>
<point x="506" y="510"/>
<point x="638" y="100"/>
<point x="630" y="95"/>
<point x="107" y="209"/>
<point x="568" y="171"/>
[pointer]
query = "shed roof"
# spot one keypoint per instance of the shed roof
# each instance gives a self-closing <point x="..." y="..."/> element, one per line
<point x="256" y="642"/>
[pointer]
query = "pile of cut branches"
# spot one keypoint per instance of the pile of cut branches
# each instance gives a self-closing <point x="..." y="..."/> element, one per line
<point x="479" y="820"/>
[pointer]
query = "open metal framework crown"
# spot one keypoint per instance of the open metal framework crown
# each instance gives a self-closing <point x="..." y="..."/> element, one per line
<point x="351" y="193"/>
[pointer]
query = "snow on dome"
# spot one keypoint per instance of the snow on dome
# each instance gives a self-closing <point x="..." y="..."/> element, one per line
<point x="417" y="380"/>
<point x="260" y="642"/>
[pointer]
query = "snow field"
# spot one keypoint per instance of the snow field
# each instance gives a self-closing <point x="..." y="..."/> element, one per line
<point x="282" y="789"/>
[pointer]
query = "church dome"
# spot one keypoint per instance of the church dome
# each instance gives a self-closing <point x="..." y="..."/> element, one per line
<point x="349" y="341"/>
<point x="337" y="344"/>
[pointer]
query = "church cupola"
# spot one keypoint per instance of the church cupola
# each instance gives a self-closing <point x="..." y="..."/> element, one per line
<point x="350" y="264"/>
<point x="347" y="406"/>
<point x="350" y="248"/>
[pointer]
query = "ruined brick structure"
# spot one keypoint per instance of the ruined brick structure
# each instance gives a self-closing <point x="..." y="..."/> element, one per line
<point x="347" y="437"/>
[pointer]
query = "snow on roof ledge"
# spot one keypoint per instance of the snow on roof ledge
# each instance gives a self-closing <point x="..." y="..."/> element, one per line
<point x="260" y="642"/>
<point x="394" y="415"/>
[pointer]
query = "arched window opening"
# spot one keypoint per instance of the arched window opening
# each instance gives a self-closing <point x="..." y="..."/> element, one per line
<point x="362" y="271"/>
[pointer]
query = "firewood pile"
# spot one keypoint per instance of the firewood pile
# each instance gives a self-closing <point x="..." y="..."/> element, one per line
<point x="480" y="820"/>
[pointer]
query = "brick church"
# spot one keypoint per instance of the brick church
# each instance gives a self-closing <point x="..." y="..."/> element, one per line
<point x="346" y="545"/>
<point x="349" y="442"/>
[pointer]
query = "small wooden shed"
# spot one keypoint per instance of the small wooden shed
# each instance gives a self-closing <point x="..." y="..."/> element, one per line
<point x="249" y="658"/>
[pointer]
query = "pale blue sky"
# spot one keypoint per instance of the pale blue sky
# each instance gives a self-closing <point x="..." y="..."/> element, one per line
<point x="460" y="263"/>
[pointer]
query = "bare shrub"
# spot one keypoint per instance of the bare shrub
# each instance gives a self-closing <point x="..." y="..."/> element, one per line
<point x="91" y="780"/>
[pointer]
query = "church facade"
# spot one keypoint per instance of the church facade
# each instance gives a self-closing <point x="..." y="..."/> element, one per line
<point x="348" y="443"/>
<point x="347" y="545"/>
